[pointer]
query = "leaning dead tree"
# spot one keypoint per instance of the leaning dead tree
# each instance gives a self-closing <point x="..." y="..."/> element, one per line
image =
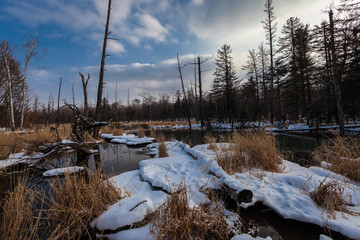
<point x="82" y="124"/>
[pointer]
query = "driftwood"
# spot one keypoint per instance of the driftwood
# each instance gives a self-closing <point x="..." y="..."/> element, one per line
<point x="245" y="196"/>
<point x="82" y="124"/>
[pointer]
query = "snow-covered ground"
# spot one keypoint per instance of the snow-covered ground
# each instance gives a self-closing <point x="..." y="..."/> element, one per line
<point x="287" y="192"/>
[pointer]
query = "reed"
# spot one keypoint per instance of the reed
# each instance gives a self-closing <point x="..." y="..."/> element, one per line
<point x="79" y="200"/>
<point x="19" y="218"/>
<point x="343" y="154"/>
<point x="249" y="150"/>
<point x="175" y="219"/>
<point x="329" y="195"/>
<point x="141" y="132"/>
<point x="209" y="139"/>
<point x="162" y="149"/>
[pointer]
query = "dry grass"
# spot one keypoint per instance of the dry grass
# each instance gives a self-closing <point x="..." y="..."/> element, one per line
<point x="343" y="154"/>
<point x="175" y="219"/>
<point x="250" y="150"/>
<point x="209" y="139"/>
<point x="77" y="201"/>
<point x="160" y="138"/>
<point x="141" y="132"/>
<point x="152" y="133"/>
<point x="112" y="130"/>
<point x="330" y="196"/>
<point x="19" y="220"/>
<point x="30" y="140"/>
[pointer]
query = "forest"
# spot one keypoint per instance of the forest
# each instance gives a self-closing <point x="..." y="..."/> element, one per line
<point x="301" y="74"/>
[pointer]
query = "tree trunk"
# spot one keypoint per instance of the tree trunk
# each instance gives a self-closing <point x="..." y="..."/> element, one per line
<point x="58" y="104"/>
<point x="24" y="99"/>
<point x="183" y="88"/>
<point x="200" y="94"/>
<point x="11" y="100"/>
<point x="102" y="68"/>
<point x="336" y="77"/>
<point x="84" y="84"/>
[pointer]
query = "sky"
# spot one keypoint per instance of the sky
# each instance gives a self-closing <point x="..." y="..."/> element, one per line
<point x="149" y="33"/>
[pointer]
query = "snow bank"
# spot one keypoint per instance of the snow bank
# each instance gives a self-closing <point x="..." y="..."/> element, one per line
<point x="128" y="139"/>
<point x="61" y="171"/>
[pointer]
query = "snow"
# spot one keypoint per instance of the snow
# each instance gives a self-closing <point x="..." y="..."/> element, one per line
<point x="13" y="159"/>
<point x="247" y="237"/>
<point x="128" y="139"/>
<point x="140" y="191"/>
<point x="61" y="171"/>
<point x="286" y="192"/>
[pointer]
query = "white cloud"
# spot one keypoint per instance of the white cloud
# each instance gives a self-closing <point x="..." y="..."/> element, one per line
<point x="151" y="28"/>
<point x="115" y="47"/>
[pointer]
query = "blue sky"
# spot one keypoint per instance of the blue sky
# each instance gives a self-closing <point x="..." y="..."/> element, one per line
<point x="150" y="32"/>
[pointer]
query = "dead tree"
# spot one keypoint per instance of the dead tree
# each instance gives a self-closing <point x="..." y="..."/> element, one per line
<point x="84" y="84"/>
<point x="82" y="124"/>
<point x="30" y="50"/>
<point x="58" y="104"/>
<point x="183" y="88"/>
<point x="5" y="53"/>
<point x="102" y="68"/>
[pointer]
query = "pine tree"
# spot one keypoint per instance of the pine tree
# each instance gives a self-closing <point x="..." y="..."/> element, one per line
<point x="225" y="81"/>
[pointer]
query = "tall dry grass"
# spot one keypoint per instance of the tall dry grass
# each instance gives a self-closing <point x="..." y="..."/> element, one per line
<point x="152" y="133"/>
<point x="343" y="154"/>
<point x="112" y="130"/>
<point x="209" y="139"/>
<point x="141" y="132"/>
<point x="175" y="219"/>
<point x="30" y="140"/>
<point x="249" y="150"/>
<point x="19" y="218"/>
<point x="77" y="201"/>
<point x="162" y="149"/>
<point x="330" y="196"/>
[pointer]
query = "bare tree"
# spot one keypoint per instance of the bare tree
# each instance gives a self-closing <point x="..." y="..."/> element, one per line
<point x="30" y="51"/>
<point x="84" y="84"/>
<point x="102" y="68"/>
<point x="5" y="53"/>
<point x="183" y="88"/>
<point x="58" y="104"/>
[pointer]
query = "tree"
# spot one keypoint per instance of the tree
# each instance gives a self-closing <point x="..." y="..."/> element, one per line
<point x="30" y="51"/>
<point x="225" y="82"/>
<point x="102" y="69"/>
<point x="84" y="84"/>
<point x="6" y="58"/>
<point x="270" y="28"/>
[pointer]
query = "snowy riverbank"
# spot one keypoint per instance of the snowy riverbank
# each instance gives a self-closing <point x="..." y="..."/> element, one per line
<point x="286" y="192"/>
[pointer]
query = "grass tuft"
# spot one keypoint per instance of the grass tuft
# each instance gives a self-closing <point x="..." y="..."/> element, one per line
<point x="343" y="154"/>
<point x="211" y="141"/>
<point x="79" y="200"/>
<point x="175" y="219"/>
<point x="160" y="138"/>
<point x="141" y="132"/>
<point x="330" y="196"/>
<point x="249" y="150"/>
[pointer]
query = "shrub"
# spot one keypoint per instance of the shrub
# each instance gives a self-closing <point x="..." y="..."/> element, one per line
<point x="141" y="132"/>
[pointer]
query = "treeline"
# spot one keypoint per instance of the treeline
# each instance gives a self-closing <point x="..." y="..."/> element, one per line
<point x="304" y="74"/>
